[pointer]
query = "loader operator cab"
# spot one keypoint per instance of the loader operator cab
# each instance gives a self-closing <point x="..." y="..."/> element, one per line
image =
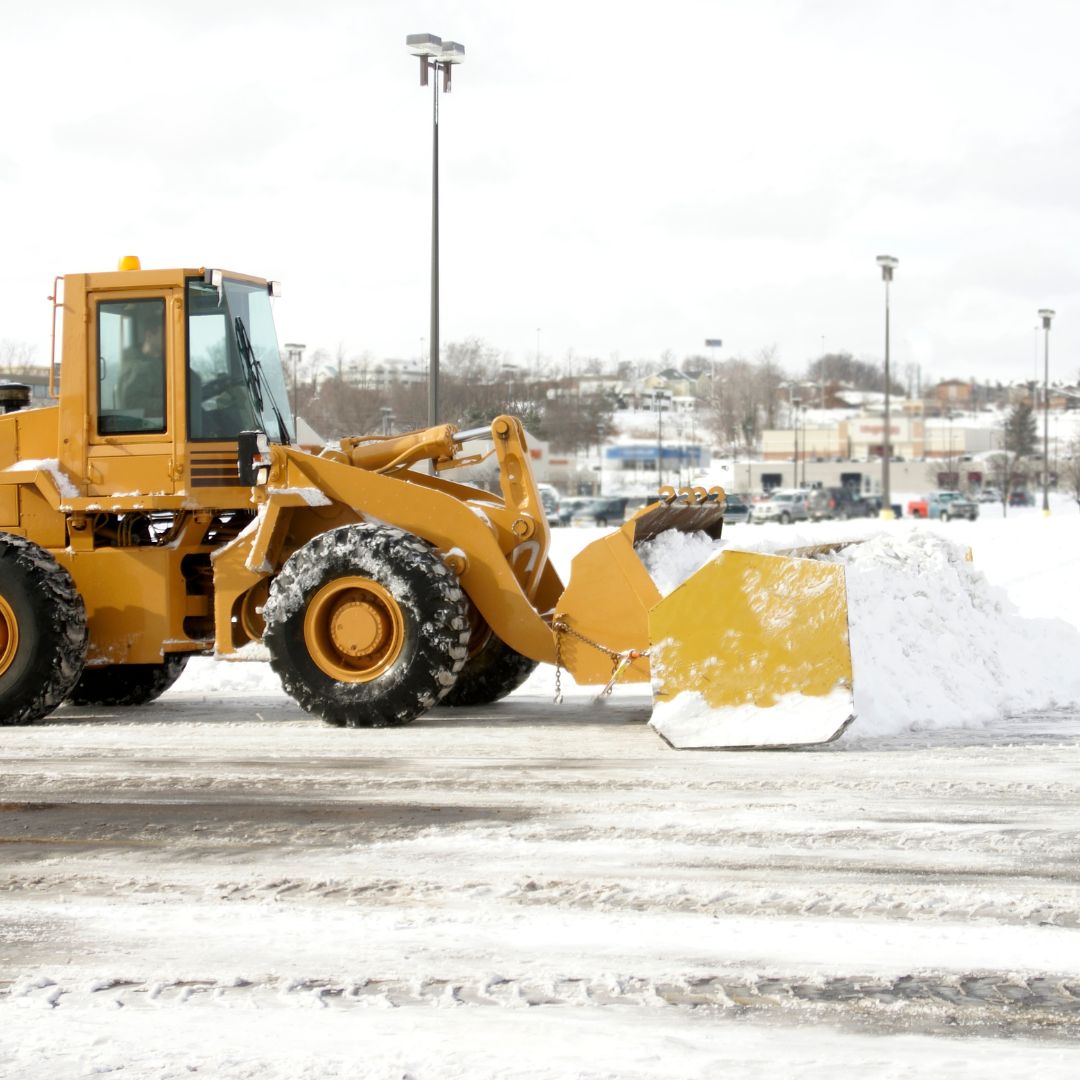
<point x="236" y="380"/>
<point x="183" y="362"/>
<point x="235" y="376"/>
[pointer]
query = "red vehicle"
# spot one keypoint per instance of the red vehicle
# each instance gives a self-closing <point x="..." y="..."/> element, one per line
<point x="918" y="508"/>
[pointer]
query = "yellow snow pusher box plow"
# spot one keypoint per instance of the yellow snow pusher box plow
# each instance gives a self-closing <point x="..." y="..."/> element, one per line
<point x="751" y="650"/>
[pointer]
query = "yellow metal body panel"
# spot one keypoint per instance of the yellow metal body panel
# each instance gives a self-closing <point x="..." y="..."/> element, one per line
<point x="9" y="507"/>
<point x="751" y="629"/>
<point x="607" y="601"/>
<point x="136" y="603"/>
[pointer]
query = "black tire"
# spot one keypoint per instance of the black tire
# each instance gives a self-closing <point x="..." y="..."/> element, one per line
<point x="366" y="626"/>
<point x="944" y="516"/>
<point x="127" y="684"/>
<point x="42" y="632"/>
<point x="785" y="518"/>
<point x="492" y="671"/>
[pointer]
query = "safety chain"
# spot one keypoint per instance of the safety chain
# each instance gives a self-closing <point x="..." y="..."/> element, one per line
<point x="620" y="661"/>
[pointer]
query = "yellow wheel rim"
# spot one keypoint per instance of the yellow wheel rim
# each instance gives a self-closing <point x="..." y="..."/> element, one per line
<point x="354" y="629"/>
<point x="250" y="609"/>
<point x="9" y="635"/>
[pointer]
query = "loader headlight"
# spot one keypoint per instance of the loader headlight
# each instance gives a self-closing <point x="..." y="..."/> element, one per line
<point x="253" y="457"/>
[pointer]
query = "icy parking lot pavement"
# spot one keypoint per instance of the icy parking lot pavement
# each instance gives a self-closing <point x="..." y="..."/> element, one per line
<point x="215" y="862"/>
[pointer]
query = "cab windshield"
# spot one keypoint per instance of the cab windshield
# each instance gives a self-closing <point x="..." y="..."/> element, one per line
<point x="236" y="380"/>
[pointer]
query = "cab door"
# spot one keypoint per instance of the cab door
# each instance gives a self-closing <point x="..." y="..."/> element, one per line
<point x="136" y="404"/>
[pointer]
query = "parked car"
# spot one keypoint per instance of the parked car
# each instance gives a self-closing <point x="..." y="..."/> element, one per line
<point x="569" y="506"/>
<point x="945" y="505"/>
<point x="603" y="511"/>
<point x="1021" y="498"/>
<point x="836" y="502"/>
<point x="736" y="510"/>
<point x="874" y="505"/>
<point x="989" y="495"/>
<point x="782" y="506"/>
<point x="549" y="496"/>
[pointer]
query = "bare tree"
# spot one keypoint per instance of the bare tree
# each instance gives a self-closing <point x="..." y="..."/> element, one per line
<point x="576" y="421"/>
<point x="738" y="397"/>
<point x="473" y="388"/>
<point x="336" y="410"/>
<point x="1069" y="470"/>
<point x="842" y="367"/>
<point x="17" y="357"/>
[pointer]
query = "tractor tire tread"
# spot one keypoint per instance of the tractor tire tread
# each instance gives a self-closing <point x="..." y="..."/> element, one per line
<point x="127" y="684"/>
<point x="491" y="673"/>
<point x="431" y="602"/>
<point x="51" y="618"/>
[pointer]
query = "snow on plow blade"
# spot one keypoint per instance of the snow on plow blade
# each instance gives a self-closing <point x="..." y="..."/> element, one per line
<point x="752" y="651"/>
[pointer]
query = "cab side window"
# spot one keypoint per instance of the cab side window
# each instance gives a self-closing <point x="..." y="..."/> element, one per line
<point x="131" y="367"/>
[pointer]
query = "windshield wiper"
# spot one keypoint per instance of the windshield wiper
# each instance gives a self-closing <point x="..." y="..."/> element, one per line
<point x="256" y="380"/>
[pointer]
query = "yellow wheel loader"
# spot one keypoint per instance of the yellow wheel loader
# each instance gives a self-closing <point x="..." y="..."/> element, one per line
<point x="160" y="507"/>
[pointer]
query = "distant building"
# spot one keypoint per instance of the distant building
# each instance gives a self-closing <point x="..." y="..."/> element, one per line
<point x="955" y="393"/>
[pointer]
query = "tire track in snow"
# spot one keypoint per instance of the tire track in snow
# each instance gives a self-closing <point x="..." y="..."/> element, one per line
<point x="1002" y="1001"/>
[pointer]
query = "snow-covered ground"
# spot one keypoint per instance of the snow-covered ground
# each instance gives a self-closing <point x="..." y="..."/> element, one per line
<point x="217" y="885"/>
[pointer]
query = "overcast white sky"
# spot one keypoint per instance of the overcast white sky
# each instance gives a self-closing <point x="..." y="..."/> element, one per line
<point x="627" y="179"/>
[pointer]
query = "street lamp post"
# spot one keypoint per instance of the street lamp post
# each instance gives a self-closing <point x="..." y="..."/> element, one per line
<point x="821" y="371"/>
<point x="802" y="412"/>
<point x="795" y="403"/>
<point x="438" y="56"/>
<point x="1046" y="315"/>
<point x="888" y="264"/>
<point x="658" y="402"/>
<point x="509" y="370"/>
<point x="296" y="352"/>
<point x="949" y="452"/>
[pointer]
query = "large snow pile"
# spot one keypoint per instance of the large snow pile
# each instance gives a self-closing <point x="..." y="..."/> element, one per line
<point x="933" y="644"/>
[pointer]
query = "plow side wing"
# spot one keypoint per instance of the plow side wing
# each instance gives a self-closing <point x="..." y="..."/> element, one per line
<point x="607" y="602"/>
<point x="752" y="651"/>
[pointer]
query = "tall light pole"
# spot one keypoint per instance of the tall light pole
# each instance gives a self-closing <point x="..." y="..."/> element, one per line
<point x="658" y="401"/>
<point x="296" y="352"/>
<point x="1046" y="315"/>
<point x="795" y="403"/>
<point x="888" y="264"/>
<point x="802" y="412"/>
<point x="821" y="372"/>
<point x="438" y="56"/>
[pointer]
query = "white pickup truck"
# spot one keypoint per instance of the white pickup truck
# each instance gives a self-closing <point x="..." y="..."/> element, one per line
<point x="951" y="504"/>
